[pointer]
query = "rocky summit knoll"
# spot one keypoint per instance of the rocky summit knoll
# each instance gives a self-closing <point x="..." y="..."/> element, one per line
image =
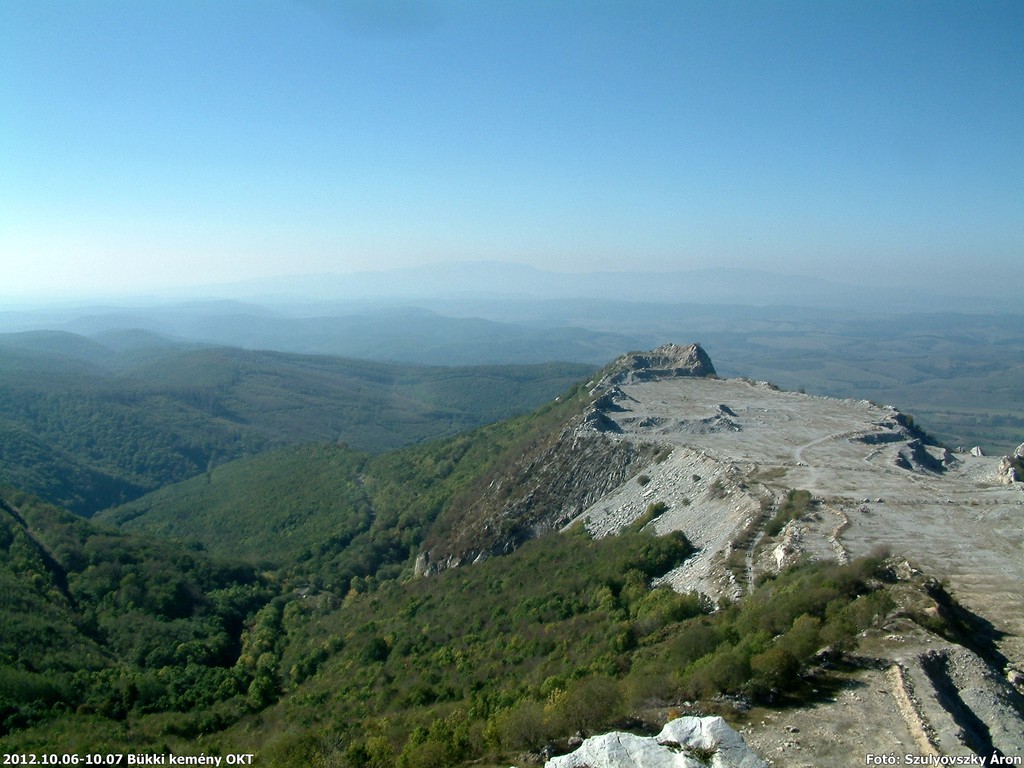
<point x="666" y="444"/>
<point x="666" y="360"/>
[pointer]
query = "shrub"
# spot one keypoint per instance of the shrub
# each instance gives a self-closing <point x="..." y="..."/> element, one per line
<point x="587" y="704"/>
<point x="803" y="639"/>
<point x="445" y="742"/>
<point x="794" y="507"/>
<point x="653" y="511"/>
<point x="727" y="669"/>
<point x="376" y="650"/>
<point x="524" y="726"/>
<point x="774" y="668"/>
<point x="696" y="640"/>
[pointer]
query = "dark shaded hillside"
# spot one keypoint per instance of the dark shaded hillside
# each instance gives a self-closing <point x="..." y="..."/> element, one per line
<point x="102" y="622"/>
<point x="88" y="426"/>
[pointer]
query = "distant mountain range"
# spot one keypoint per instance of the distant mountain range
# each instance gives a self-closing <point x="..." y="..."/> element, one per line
<point x="495" y="280"/>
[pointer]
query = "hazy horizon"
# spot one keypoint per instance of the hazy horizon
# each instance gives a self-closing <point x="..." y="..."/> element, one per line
<point x="508" y="290"/>
<point x="158" y="146"/>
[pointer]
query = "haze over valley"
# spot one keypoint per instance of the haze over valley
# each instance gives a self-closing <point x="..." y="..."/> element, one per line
<point x="955" y="364"/>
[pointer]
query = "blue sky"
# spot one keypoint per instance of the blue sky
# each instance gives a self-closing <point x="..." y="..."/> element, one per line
<point x="149" y="144"/>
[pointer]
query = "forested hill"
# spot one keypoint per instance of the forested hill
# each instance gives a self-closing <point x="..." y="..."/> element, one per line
<point x="114" y="643"/>
<point x="89" y="423"/>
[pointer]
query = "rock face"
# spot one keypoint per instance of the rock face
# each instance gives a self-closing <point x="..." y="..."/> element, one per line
<point x="689" y="742"/>
<point x="551" y="484"/>
<point x="668" y="360"/>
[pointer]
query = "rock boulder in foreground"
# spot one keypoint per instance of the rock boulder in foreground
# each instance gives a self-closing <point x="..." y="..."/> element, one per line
<point x="689" y="742"/>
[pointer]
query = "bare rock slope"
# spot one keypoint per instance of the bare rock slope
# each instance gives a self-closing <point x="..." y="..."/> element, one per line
<point x="560" y="475"/>
<point x="737" y="446"/>
<point x="666" y="360"/>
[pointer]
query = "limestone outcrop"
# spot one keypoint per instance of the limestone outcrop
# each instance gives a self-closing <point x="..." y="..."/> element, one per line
<point x="1007" y="471"/>
<point x="688" y="742"/>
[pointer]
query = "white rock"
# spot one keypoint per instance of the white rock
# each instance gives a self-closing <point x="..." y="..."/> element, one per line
<point x="689" y="742"/>
<point x="1007" y="473"/>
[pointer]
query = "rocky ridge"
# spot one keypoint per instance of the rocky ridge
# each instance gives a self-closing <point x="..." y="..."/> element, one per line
<point x="668" y="360"/>
<point x="664" y="439"/>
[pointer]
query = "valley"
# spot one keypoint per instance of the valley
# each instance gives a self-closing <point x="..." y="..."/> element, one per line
<point x="90" y="424"/>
